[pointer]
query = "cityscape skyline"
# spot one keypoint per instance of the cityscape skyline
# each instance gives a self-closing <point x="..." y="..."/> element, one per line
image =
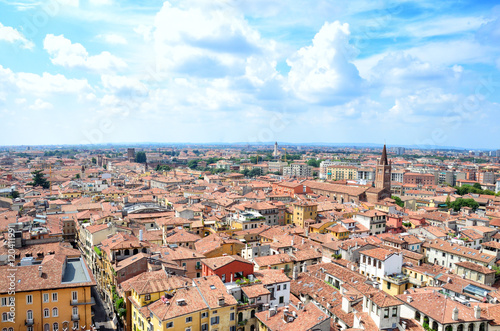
<point x="90" y="72"/>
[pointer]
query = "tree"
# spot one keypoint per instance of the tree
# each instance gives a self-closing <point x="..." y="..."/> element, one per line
<point x="477" y="186"/>
<point x="398" y="201"/>
<point x="140" y="157"/>
<point x="94" y="161"/>
<point x="192" y="164"/>
<point x="14" y="195"/>
<point x="460" y="202"/>
<point x="39" y="179"/>
<point x="77" y="176"/>
<point x="163" y="167"/>
<point x="448" y="202"/>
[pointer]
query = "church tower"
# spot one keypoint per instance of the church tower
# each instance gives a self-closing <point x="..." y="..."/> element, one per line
<point x="383" y="172"/>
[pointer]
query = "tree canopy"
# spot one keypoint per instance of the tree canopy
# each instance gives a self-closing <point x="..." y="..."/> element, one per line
<point x="140" y="157"/>
<point x="459" y="203"/>
<point x="39" y="179"/>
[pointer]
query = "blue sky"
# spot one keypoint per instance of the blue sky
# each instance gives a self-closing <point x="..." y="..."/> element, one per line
<point x="96" y="71"/>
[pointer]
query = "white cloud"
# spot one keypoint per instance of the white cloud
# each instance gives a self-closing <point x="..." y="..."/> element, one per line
<point x="212" y="41"/>
<point x="146" y="31"/>
<point x="11" y="35"/>
<point x="323" y="72"/>
<point x="41" y="105"/>
<point x="64" y="53"/>
<point x="112" y="38"/>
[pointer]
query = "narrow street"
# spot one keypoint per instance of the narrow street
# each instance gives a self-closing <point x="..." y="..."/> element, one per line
<point x="102" y="320"/>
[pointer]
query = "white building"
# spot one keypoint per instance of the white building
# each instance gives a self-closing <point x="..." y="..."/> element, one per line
<point x="379" y="263"/>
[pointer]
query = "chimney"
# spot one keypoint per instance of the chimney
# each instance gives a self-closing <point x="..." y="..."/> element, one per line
<point x="294" y="273"/>
<point x="477" y="312"/>
<point x="40" y="272"/>
<point x="272" y="312"/>
<point x="403" y="325"/>
<point x="221" y="301"/>
<point x="454" y="314"/>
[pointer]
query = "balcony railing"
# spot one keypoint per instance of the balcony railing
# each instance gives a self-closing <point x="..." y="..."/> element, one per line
<point x="198" y="267"/>
<point x="78" y="302"/>
<point x="29" y="322"/>
<point x="397" y="278"/>
<point x="75" y="317"/>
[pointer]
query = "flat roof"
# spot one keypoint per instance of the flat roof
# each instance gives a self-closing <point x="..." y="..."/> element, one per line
<point x="75" y="272"/>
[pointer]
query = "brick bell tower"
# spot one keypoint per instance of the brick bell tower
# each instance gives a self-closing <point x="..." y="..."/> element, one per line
<point x="383" y="172"/>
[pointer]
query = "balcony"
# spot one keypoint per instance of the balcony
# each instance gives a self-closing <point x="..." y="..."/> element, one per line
<point x="198" y="267"/>
<point x="75" y="317"/>
<point x="397" y="279"/>
<point x="82" y="302"/>
<point x="29" y="322"/>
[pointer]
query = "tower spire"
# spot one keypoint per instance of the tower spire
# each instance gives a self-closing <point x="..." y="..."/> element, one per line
<point x="383" y="159"/>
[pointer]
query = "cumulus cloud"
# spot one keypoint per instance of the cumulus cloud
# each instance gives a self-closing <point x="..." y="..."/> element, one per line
<point x="41" y="105"/>
<point x="212" y="41"/>
<point x="67" y="54"/>
<point x="11" y="35"/>
<point x="112" y="38"/>
<point x="322" y="72"/>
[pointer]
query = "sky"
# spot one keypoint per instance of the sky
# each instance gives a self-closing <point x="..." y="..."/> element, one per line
<point x="423" y="73"/>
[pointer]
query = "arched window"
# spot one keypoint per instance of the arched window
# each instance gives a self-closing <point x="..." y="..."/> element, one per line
<point x="4" y="329"/>
<point x="240" y="317"/>
<point x="136" y="251"/>
<point x="434" y="325"/>
<point x="55" y="312"/>
<point x="449" y="328"/>
<point x="471" y="327"/>
<point x="460" y="327"/>
<point x="46" y="327"/>
<point x="55" y="327"/>
<point x="252" y="327"/>
<point x="482" y="327"/>
<point x="127" y="252"/>
<point x="5" y="317"/>
<point x="252" y="313"/>
<point x="11" y="329"/>
<point x="29" y="314"/>
<point x="144" y="250"/>
<point x="46" y="313"/>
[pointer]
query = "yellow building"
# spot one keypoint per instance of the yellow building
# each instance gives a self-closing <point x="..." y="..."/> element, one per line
<point x="422" y="275"/>
<point x="320" y="227"/>
<point x="69" y="194"/>
<point x="204" y="306"/>
<point x="337" y="172"/>
<point x="339" y="231"/>
<point x="396" y="286"/>
<point x="278" y="261"/>
<point x="303" y="211"/>
<point x="53" y="295"/>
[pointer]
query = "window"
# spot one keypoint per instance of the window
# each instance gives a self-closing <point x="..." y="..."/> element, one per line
<point x="214" y="320"/>
<point x="233" y="328"/>
<point x="170" y="325"/>
<point x="386" y="312"/>
<point x="5" y="317"/>
<point x="29" y="328"/>
<point x="45" y="297"/>
<point x="282" y="299"/>
<point x="204" y="327"/>
<point x="56" y="327"/>
<point x="188" y="329"/>
<point x="75" y="311"/>
<point x="231" y="317"/>
<point x="204" y="315"/>
<point x="388" y="285"/>
<point x="394" y="312"/>
<point x="29" y="299"/>
<point x="54" y="296"/>
<point x="29" y="315"/>
<point x="76" y="325"/>
<point x="279" y="288"/>
<point x="147" y="297"/>
<point x="74" y="296"/>
<point x="284" y="286"/>
<point x="46" y="312"/>
<point x="189" y="319"/>
<point x="55" y="312"/>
